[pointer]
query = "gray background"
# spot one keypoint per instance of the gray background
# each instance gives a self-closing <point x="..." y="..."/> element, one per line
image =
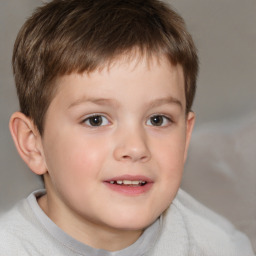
<point x="225" y="34"/>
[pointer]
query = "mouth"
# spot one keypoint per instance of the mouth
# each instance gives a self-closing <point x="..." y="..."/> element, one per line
<point x="130" y="185"/>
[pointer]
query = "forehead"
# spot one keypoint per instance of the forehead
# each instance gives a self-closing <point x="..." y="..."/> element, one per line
<point x="122" y="75"/>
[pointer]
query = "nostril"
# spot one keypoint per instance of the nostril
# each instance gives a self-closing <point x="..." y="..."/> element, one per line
<point x="126" y="157"/>
<point x="134" y="158"/>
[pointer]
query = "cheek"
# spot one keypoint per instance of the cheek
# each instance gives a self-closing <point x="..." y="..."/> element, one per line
<point x="170" y="155"/>
<point x="73" y="158"/>
<point x="74" y="168"/>
<point x="171" y="152"/>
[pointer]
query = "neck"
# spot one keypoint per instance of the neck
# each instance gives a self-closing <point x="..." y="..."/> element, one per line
<point x="89" y="233"/>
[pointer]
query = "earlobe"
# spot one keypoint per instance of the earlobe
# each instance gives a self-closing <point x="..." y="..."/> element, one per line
<point x="190" y="125"/>
<point x="27" y="140"/>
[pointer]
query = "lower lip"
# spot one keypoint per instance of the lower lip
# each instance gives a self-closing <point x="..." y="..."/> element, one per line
<point x="130" y="190"/>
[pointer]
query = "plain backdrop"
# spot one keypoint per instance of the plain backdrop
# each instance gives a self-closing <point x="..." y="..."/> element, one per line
<point x="225" y="34"/>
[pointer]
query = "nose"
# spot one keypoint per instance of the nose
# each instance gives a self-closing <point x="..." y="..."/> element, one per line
<point x="132" y="146"/>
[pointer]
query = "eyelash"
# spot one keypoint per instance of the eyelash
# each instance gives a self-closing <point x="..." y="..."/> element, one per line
<point x="103" y="121"/>
<point x="166" y="121"/>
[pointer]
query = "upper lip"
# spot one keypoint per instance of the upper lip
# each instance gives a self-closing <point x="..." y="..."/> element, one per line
<point x="131" y="178"/>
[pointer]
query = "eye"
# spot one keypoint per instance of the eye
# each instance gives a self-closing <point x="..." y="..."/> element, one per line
<point x="96" y="120"/>
<point x="158" y="120"/>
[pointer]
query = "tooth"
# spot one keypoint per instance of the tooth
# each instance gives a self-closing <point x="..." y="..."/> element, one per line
<point x="127" y="182"/>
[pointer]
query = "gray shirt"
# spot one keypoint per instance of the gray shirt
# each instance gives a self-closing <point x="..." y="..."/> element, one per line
<point x="186" y="228"/>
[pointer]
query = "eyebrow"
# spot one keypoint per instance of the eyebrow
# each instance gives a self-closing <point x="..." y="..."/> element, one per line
<point x="166" y="100"/>
<point x="97" y="101"/>
<point x="105" y="101"/>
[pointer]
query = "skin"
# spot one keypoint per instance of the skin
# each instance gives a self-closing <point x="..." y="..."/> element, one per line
<point x="77" y="157"/>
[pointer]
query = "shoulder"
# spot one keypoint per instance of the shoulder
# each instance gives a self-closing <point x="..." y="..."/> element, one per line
<point x="208" y="231"/>
<point x="12" y="226"/>
<point x="26" y="230"/>
<point x="12" y="220"/>
<point x="18" y="228"/>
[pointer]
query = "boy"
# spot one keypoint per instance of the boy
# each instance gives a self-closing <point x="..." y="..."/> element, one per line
<point x="105" y="91"/>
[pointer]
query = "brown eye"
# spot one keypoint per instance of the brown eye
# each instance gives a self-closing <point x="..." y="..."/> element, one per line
<point x="158" y="120"/>
<point x="96" y="120"/>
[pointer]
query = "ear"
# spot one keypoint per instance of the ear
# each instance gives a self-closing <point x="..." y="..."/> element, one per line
<point x="28" y="142"/>
<point x="190" y="125"/>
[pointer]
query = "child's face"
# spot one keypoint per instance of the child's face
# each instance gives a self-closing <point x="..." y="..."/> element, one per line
<point x="122" y="125"/>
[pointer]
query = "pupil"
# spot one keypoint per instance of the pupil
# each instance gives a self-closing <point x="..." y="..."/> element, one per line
<point x="95" y="121"/>
<point x="157" y="120"/>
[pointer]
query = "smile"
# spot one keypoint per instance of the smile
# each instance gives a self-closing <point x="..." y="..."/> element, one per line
<point x="130" y="185"/>
<point x="129" y="182"/>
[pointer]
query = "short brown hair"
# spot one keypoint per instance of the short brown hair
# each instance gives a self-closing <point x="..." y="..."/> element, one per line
<point x="66" y="36"/>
